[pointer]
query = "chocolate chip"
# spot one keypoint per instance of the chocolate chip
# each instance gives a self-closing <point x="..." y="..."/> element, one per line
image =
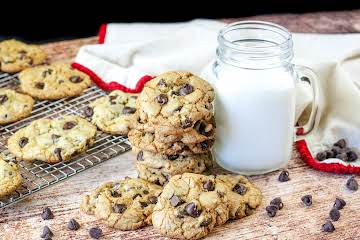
<point x="209" y="185"/>
<point x="47" y="214"/>
<point x="328" y="227"/>
<point x="153" y="199"/>
<point x="46" y="72"/>
<point x="143" y="204"/>
<point x="3" y="98"/>
<point x="204" y="145"/>
<point x="205" y="223"/>
<point x="172" y="157"/>
<point x="352" y="156"/>
<point x="336" y="151"/>
<point x="329" y="154"/>
<point x="157" y="181"/>
<point x="240" y="189"/>
<point x="334" y="214"/>
<point x="136" y="195"/>
<point x="75" y="79"/>
<point x="341" y="143"/>
<point x="88" y="111"/>
<point x="186" y="123"/>
<point x="115" y="194"/>
<point x="140" y="156"/>
<point x="23" y="141"/>
<point x="284" y="176"/>
<point x="69" y="125"/>
<point x="192" y="211"/>
<point x="128" y="110"/>
<point x="40" y="85"/>
<point x="339" y="203"/>
<point x="342" y="156"/>
<point x="271" y="210"/>
<point x="162" y="99"/>
<point x="119" y="208"/>
<point x="277" y="202"/>
<point x="73" y="225"/>
<point x="54" y="137"/>
<point x="175" y="201"/>
<point x="200" y="127"/>
<point x="47" y="233"/>
<point x="321" y="156"/>
<point x="307" y="200"/>
<point x="162" y="83"/>
<point x="146" y="192"/>
<point x="57" y="152"/>
<point x="95" y="232"/>
<point x="185" y="90"/>
<point x="352" y="184"/>
<point x="111" y="99"/>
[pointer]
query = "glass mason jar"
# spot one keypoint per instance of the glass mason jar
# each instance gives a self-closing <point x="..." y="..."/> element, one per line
<point x="255" y="85"/>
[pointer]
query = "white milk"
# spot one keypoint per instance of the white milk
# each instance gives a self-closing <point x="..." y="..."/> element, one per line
<point x="255" y="111"/>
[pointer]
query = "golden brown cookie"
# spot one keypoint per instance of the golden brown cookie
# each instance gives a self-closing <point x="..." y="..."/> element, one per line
<point x="10" y="177"/>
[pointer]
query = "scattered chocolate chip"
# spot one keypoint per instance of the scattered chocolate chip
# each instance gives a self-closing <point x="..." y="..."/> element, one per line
<point x="352" y="184"/>
<point x="57" y="152"/>
<point x="277" y="202"/>
<point x="186" y="123"/>
<point x="172" y="157"/>
<point x="111" y="99"/>
<point x="307" y="200"/>
<point x="271" y="210"/>
<point x="342" y="156"/>
<point x="95" y="232"/>
<point x="162" y="99"/>
<point x="339" y="203"/>
<point x="352" y="156"/>
<point x="47" y="233"/>
<point x="284" y="176"/>
<point x="341" y="143"/>
<point x="240" y="189"/>
<point x="153" y="199"/>
<point x="175" y="201"/>
<point x="23" y="141"/>
<point x="334" y="214"/>
<point x="73" y="225"/>
<point x="321" y="156"/>
<point x="136" y="195"/>
<point x="47" y="214"/>
<point x="88" y="111"/>
<point x="69" y="125"/>
<point x="146" y="192"/>
<point x="46" y="72"/>
<point x="143" y="204"/>
<point x="328" y="227"/>
<point x="140" y="156"/>
<point x="128" y="110"/>
<point x="205" y="223"/>
<point x="185" y="90"/>
<point x="192" y="211"/>
<point x="162" y="83"/>
<point x="40" y="85"/>
<point x="115" y="194"/>
<point x="3" y="98"/>
<point x="209" y="185"/>
<point x="119" y="208"/>
<point x="75" y="79"/>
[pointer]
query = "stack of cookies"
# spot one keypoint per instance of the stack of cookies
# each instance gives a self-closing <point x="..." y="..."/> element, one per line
<point x="174" y="126"/>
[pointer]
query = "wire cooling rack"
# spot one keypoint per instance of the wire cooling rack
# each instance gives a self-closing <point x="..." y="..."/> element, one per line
<point x="39" y="175"/>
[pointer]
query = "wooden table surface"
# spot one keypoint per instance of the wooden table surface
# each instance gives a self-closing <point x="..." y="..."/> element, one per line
<point x="294" y="221"/>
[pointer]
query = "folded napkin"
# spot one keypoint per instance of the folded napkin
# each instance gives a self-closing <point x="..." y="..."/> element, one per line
<point x="129" y="55"/>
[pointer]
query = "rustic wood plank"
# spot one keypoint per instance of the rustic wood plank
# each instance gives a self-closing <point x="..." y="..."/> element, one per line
<point x="294" y="221"/>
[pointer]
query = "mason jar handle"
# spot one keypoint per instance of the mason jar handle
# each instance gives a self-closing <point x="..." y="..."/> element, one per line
<point x="308" y="75"/>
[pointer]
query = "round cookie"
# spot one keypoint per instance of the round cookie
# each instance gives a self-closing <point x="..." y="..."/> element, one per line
<point x="52" y="140"/>
<point x="190" y="206"/>
<point x="158" y="168"/>
<point x="176" y="100"/>
<point x="10" y="177"/>
<point x="125" y="204"/>
<point x="54" y="81"/>
<point x="147" y="142"/>
<point x="14" y="106"/>
<point x="114" y="113"/>
<point x="16" y="56"/>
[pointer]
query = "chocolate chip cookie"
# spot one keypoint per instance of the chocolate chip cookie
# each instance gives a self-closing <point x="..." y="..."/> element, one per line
<point x="10" y="177"/>
<point x="159" y="168"/>
<point x="177" y="100"/>
<point x="14" y="106"/>
<point x="146" y="141"/>
<point x="114" y="113"/>
<point x="52" y="140"/>
<point x="16" y="56"/>
<point x="52" y="82"/>
<point x="125" y="204"/>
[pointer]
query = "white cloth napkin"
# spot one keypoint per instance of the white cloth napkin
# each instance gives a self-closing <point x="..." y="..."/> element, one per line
<point x="131" y="51"/>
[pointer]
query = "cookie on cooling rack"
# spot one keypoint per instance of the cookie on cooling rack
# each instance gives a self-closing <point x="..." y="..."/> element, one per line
<point x="54" y="81"/>
<point x="14" y="106"/>
<point x="10" y="177"/>
<point x="52" y="140"/>
<point x="16" y="56"/>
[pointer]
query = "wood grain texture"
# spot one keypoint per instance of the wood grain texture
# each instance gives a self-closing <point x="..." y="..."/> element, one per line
<point x="294" y="221"/>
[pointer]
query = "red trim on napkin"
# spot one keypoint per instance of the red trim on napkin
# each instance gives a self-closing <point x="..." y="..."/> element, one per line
<point x="112" y="85"/>
<point x="102" y="33"/>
